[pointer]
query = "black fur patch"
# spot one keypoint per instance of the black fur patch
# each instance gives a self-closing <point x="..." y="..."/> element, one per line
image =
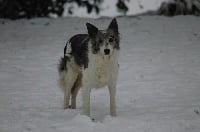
<point x="79" y="45"/>
<point x="97" y="41"/>
<point x="62" y="64"/>
<point x="95" y="46"/>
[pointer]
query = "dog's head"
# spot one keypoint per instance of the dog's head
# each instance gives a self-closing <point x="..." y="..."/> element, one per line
<point x="104" y="41"/>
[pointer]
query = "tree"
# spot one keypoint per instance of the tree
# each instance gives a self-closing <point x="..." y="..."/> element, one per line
<point x="180" y="7"/>
<point x="121" y="6"/>
<point x="16" y="9"/>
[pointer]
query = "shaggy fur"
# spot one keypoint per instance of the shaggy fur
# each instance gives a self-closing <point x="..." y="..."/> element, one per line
<point x="90" y="61"/>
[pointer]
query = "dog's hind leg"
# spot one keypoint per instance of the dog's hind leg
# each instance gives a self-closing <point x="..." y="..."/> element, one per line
<point x="63" y="84"/>
<point x="69" y="80"/>
<point x="66" y="97"/>
<point x="74" y="90"/>
<point x="67" y="94"/>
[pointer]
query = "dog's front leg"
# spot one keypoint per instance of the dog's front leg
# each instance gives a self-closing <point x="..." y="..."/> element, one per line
<point x="86" y="100"/>
<point x="112" y="92"/>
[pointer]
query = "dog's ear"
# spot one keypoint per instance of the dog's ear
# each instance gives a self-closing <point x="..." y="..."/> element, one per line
<point x="113" y="26"/>
<point x="92" y="30"/>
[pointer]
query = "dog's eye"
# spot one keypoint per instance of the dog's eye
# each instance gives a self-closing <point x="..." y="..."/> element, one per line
<point x="111" y="39"/>
<point x="100" y="41"/>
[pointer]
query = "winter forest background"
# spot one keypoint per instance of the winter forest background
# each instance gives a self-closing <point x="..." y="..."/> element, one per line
<point x="158" y="88"/>
<point x="15" y="9"/>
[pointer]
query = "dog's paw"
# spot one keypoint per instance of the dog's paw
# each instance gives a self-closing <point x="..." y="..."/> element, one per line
<point x="72" y="107"/>
<point x="69" y="107"/>
<point x="113" y="114"/>
<point x="66" y="107"/>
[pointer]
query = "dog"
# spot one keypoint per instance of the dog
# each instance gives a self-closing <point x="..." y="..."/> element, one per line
<point x="90" y="61"/>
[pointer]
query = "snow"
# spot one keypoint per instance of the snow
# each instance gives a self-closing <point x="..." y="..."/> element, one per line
<point x="158" y="87"/>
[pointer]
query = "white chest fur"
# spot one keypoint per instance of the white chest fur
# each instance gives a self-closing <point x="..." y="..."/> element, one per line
<point x="100" y="70"/>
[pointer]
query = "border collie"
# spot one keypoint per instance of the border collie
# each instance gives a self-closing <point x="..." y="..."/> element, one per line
<point x="90" y="61"/>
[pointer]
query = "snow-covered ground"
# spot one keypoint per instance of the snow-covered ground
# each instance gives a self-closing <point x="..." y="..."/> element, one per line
<point x="158" y="88"/>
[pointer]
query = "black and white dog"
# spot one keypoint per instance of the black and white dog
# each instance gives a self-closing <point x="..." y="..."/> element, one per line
<point x="90" y="61"/>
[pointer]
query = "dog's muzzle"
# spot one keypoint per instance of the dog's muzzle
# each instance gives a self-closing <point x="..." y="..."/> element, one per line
<point x="106" y="51"/>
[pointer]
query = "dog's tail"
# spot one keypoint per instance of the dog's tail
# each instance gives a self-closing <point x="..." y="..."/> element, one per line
<point x="61" y="82"/>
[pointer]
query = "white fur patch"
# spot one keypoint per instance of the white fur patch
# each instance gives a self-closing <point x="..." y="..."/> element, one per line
<point x="69" y="48"/>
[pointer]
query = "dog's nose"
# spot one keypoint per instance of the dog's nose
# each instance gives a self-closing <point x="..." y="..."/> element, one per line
<point x="106" y="51"/>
